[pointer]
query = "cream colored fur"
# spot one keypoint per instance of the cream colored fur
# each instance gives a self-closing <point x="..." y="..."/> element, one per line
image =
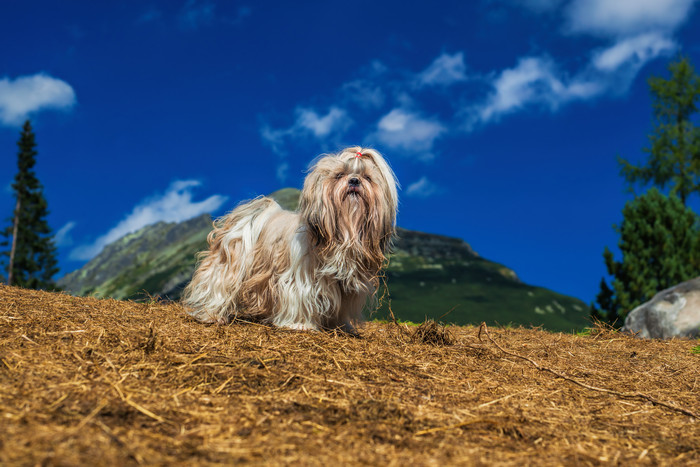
<point x="311" y="269"/>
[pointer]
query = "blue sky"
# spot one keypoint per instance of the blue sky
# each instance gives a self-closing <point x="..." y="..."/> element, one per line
<point x="502" y="119"/>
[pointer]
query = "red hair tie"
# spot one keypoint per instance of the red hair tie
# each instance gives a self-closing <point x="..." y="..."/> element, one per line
<point x="359" y="154"/>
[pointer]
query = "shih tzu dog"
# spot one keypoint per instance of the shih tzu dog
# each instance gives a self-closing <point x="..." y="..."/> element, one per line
<point x="315" y="268"/>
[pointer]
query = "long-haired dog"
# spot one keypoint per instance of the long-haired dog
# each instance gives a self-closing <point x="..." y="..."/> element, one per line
<point x="315" y="268"/>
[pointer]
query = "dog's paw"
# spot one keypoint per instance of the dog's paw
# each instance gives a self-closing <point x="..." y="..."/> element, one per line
<point x="348" y="328"/>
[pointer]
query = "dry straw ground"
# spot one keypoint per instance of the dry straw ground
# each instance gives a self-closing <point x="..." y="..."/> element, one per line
<point x="86" y="381"/>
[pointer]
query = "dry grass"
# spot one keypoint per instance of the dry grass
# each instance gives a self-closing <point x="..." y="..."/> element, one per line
<point x="85" y="381"/>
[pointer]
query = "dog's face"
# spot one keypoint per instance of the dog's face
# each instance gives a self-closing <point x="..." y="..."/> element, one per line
<point x="351" y="180"/>
<point x="350" y="198"/>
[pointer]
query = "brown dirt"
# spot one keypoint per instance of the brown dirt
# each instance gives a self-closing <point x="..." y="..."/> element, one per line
<point x="86" y="381"/>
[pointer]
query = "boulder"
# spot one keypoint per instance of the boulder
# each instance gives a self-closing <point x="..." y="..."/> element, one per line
<point x="674" y="312"/>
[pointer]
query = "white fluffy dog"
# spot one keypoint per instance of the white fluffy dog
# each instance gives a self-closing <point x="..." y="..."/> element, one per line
<point x="311" y="269"/>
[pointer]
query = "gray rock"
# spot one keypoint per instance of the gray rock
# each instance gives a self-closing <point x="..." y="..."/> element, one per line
<point x="674" y="312"/>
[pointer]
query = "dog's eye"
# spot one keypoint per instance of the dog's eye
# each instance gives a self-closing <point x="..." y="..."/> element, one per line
<point x="339" y="176"/>
<point x="367" y="177"/>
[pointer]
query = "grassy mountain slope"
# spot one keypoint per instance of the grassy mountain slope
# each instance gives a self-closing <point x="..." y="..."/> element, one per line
<point x="158" y="260"/>
<point x="435" y="276"/>
<point x="428" y="276"/>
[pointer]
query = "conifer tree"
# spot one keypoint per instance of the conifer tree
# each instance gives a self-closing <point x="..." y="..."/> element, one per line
<point x="660" y="248"/>
<point x="674" y="154"/>
<point x="31" y="253"/>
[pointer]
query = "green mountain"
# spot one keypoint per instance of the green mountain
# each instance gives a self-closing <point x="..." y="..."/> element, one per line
<point x="429" y="276"/>
<point x="156" y="260"/>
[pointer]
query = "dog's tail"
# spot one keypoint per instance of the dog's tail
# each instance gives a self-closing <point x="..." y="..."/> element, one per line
<point x="213" y="294"/>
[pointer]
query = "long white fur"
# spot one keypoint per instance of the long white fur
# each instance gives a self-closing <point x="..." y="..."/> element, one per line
<point x="311" y="269"/>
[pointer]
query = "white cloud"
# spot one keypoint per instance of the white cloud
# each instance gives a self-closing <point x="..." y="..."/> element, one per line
<point x="308" y="123"/>
<point x="628" y="35"/>
<point x="540" y="82"/>
<point x="422" y="188"/>
<point x="364" y="93"/>
<point x="175" y="205"/>
<point x="321" y="126"/>
<point x="444" y="71"/>
<point x="282" y="172"/>
<point x="635" y="51"/>
<point x="533" y="81"/>
<point x="28" y="94"/>
<point x="613" y="18"/>
<point x="638" y="31"/>
<point x="530" y="79"/>
<point x="408" y="131"/>
<point x="62" y="237"/>
<point x="274" y="138"/>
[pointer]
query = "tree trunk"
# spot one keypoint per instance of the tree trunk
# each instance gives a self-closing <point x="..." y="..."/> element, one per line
<point x="14" y="242"/>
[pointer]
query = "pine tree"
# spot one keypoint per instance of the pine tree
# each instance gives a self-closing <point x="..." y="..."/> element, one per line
<point x="674" y="155"/>
<point x="660" y="248"/>
<point x="31" y="257"/>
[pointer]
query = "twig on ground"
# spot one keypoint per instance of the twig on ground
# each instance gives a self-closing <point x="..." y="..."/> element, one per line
<point x="625" y="395"/>
<point x="456" y="425"/>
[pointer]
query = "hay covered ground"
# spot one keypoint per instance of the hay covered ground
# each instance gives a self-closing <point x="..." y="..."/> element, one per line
<point x="86" y="381"/>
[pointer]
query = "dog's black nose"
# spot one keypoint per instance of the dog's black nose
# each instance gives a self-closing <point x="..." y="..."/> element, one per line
<point x="354" y="181"/>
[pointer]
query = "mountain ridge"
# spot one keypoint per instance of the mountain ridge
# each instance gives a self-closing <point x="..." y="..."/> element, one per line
<point x="428" y="275"/>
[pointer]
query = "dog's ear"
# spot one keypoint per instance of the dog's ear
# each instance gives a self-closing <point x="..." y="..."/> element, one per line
<point x="313" y="208"/>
